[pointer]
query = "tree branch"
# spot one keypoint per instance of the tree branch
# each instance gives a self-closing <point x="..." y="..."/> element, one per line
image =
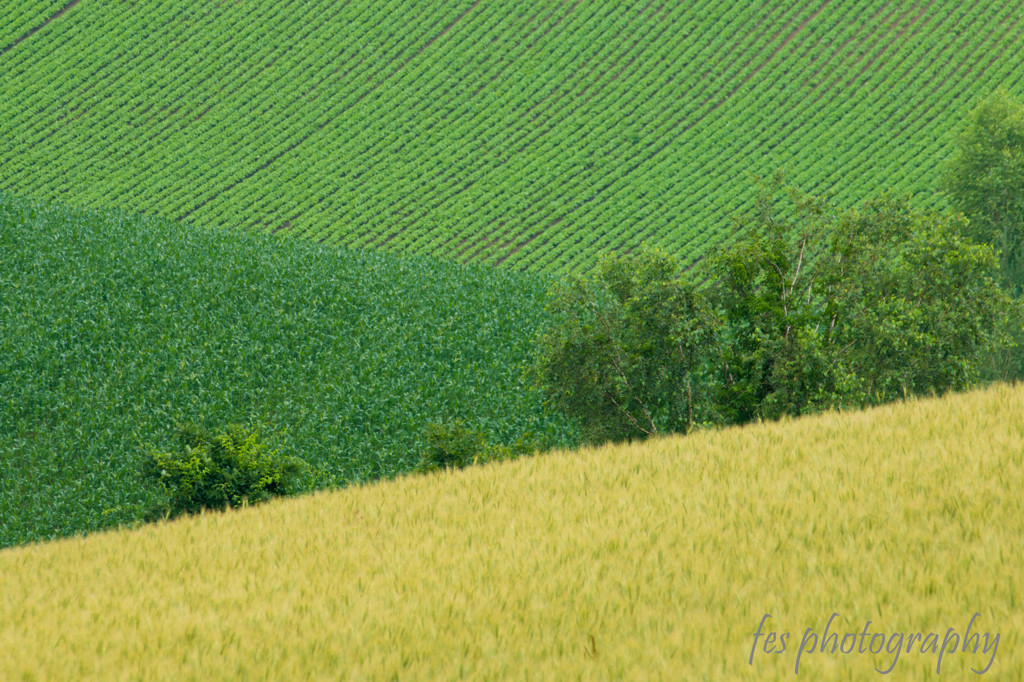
<point x="629" y="416"/>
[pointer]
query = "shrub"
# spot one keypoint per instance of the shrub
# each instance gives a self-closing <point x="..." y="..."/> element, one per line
<point x="229" y="469"/>
<point x="454" y="444"/>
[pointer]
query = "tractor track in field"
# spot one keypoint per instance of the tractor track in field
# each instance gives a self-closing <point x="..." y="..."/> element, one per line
<point x="31" y="32"/>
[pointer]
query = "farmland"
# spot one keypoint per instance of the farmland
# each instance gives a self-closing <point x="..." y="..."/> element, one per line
<point x="650" y="561"/>
<point x="533" y="137"/>
<point x="335" y="223"/>
<point x="18" y="20"/>
<point x="114" y="328"/>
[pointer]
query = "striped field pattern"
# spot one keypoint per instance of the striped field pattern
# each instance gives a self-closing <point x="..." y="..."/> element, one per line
<point x="531" y="135"/>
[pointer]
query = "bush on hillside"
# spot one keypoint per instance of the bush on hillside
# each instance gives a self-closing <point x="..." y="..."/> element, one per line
<point x="230" y="469"/>
<point x="453" y="444"/>
<point x="629" y="355"/>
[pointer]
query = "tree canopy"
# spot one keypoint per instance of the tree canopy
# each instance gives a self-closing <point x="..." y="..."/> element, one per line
<point x="985" y="181"/>
<point x="812" y="308"/>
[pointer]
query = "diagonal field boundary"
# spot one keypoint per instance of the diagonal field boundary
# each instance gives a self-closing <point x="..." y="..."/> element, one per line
<point x="33" y="31"/>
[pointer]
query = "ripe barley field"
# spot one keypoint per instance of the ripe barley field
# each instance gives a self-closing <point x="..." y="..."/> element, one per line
<point x="647" y="561"/>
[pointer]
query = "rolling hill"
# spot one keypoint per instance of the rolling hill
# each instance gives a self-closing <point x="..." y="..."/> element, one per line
<point x="652" y="561"/>
<point x="530" y="136"/>
<point x="113" y="328"/>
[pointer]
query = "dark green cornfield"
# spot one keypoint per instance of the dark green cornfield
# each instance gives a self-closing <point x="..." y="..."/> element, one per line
<point x="114" y="328"/>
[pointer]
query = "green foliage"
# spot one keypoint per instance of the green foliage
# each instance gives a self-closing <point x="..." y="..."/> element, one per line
<point x="832" y="308"/>
<point x="779" y="354"/>
<point x="917" y="304"/>
<point x="985" y="180"/>
<point x="454" y="444"/>
<point x="812" y="308"/>
<point x="628" y="354"/>
<point x="511" y="133"/>
<point x="114" y="326"/>
<point x="231" y="469"/>
<point x="1004" y="359"/>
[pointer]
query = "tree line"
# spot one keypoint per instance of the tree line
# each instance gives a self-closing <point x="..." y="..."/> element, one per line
<point x="812" y="308"/>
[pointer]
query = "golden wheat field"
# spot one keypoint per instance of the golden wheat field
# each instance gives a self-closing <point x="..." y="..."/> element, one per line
<point x="648" y="561"/>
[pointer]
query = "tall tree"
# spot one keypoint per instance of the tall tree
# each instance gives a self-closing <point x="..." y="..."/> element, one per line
<point x="917" y="304"/>
<point x="985" y="181"/>
<point x="630" y="353"/>
<point x="779" y="354"/>
<point x="825" y="307"/>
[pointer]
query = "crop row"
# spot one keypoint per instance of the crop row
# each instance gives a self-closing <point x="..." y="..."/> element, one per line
<point x="18" y="19"/>
<point x="533" y="137"/>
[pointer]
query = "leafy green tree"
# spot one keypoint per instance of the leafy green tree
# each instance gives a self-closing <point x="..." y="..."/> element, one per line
<point x="917" y="303"/>
<point x="985" y="181"/>
<point x="779" y="353"/>
<point x="833" y="308"/>
<point x="230" y="469"/>
<point x="630" y="355"/>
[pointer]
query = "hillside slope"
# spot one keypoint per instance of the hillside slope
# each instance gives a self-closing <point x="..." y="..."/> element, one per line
<point x="533" y="136"/>
<point x="115" y="328"/>
<point x="652" y="561"/>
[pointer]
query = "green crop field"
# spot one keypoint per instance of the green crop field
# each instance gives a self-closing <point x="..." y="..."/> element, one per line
<point x="531" y="135"/>
<point x="20" y="20"/>
<point x="114" y="328"/>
